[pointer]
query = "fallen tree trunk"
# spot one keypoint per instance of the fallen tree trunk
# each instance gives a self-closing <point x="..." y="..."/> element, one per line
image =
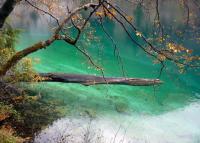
<point x="88" y="80"/>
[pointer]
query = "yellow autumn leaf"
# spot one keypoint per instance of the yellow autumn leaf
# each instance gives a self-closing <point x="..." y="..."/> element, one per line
<point x="99" y="13"/>
<point x="189" y="51"/>
<point x="138" y="34"/>
<point x="129" y="18"/>
<point x="161" y="57"/>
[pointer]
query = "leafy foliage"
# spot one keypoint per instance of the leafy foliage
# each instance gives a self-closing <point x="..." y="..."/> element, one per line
<point x="23" y="70"/>
<point x="6" y="136"/>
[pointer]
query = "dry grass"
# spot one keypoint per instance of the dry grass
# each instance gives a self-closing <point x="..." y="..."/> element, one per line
<point x="7" y="136"/>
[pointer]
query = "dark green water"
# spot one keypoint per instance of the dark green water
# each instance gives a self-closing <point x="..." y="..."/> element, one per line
<point x="146" y="105"/>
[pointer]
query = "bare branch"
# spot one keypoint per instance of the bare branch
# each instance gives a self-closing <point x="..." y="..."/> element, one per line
<point x="116" y="50"/>
<point x="57" y="21"/>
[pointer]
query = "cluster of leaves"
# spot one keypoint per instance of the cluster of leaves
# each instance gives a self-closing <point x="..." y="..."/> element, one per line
<point x="7" y="136"/>
<point x="6" y="111"/>
<point x="182" y="56"/>
<point x="7" y="133"/>
<point x="23" y="71"/>
<point x="54" y="7"/>
<point x="178" y="48"/>
<point x="8" y="37"/>
<point x="102" y="12"/>
<point x="110" y="13"/>
<point x="172" y="48"/>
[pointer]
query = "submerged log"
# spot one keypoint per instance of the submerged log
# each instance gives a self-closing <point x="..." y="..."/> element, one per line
<point x="88" y="80"/>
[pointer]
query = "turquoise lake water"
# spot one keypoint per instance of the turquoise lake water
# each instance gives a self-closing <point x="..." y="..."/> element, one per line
<point x="165" y="113"/>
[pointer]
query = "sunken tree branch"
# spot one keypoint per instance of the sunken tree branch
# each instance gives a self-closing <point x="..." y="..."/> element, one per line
<point x="88" y="80"/>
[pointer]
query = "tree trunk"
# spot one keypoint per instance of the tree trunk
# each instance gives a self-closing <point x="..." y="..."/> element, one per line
<point x="88" y="80"/>
<point x="6" y="9"/>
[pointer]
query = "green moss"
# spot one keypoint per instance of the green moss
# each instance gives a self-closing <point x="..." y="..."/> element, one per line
<point x="121" y="104"/>
<point x="121" y="107"/>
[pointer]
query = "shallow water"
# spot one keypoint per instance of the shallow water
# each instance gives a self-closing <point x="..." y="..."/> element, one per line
<point x="178" y="126"/>
<point x="165" y="113"/>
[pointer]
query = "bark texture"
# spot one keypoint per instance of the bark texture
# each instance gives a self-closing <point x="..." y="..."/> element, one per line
<point x="88" y="80"/>
<point x="23" y="53"/>
<point x="6" y="9"/>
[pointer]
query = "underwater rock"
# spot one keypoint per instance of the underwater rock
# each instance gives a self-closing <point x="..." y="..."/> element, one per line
<point x="121" y="107"/>
<point x="89" y="113"/>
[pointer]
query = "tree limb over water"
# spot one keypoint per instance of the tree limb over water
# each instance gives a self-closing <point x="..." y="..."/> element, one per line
<point x="172" y="51"/>
<point x="88" y="80"/>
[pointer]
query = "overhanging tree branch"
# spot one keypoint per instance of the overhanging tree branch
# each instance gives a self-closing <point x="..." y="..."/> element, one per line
<point x="60" y="35"/>
<point x="43" y="44"/>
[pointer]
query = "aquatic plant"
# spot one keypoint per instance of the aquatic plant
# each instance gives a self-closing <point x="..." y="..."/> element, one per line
<point x="121" y="106"/>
